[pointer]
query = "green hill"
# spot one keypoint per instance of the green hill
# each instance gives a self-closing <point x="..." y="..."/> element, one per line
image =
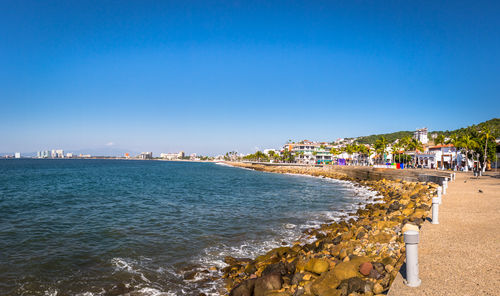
<point x="492" y="124"/>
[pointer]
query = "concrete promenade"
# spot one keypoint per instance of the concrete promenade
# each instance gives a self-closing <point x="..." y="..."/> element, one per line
<point x="461" y="255"/>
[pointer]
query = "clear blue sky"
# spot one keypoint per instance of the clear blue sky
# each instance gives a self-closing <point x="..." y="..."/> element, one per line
<point x="214" y="76"/>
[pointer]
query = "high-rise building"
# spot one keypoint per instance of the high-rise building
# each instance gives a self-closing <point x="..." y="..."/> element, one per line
<point x="60" y="153"/>
<point x="146" y="155"/>
<point x="421" y="135"/>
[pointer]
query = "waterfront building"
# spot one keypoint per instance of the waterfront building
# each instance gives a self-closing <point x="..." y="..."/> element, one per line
<point x="69" y="155"/>
<point x="146" y="155"/>
<point x="440" y="157"/>
<point x="308" y="152"/>
<point x="17" y="155"/>
<point x="172" y="156"/>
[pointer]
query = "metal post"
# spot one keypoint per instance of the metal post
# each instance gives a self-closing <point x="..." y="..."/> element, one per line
<point x="411" y="241"/>
<point x="435" y="210"/>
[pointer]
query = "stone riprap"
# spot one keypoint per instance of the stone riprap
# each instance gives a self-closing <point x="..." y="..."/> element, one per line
<point x="359" y="256"/>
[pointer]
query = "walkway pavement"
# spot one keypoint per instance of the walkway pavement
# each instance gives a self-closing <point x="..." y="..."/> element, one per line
<point x="461" y="255"/>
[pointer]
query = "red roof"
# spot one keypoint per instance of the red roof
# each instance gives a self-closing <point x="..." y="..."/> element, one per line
<point x="441" y="146"/>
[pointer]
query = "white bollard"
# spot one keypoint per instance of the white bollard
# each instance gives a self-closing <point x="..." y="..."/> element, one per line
<point x="445" y="185"/>
<point x="411" y="241"/>
<point x="435" y="210"/>
<point x="439" y="191"/>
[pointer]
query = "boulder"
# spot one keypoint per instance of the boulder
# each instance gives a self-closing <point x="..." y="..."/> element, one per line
<point x="326" y="282"/>
<point x="349" y="269"/>
<point x="407" y="212"/>
<point x="374" y="274"/>
<point x="266" y="283"/>
<point x="409" y="226"/>
<point x="377" y="288"/>
<point x="245" y="288"/>
<point x="365" y="268"/>
<point x="278" y="293"/>
<point x="282" y="268"/>
<point x="355" y="284"/>
<point x="419" y="213"/>
<point x="317" y="265"/>
<point x="382" y="237"/>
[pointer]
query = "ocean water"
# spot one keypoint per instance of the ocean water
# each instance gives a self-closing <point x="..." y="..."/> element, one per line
<point x="91" y="227"/>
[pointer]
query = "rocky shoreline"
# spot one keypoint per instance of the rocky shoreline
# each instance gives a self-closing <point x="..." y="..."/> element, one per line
<point x="358" y="256"/>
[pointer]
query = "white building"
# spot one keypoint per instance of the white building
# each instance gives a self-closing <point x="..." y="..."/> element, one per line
<point x="308" y="152"/>
<point x="441" y="157"/>
<point x="172" y="156"/>
<point x="146" y="155"/>
<point x="43" y="154"/>
<point x="17" y="155"/>
<point x="421" y="135"/>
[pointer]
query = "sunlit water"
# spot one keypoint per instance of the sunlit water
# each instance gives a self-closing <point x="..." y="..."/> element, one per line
<point x="85" y="227"/>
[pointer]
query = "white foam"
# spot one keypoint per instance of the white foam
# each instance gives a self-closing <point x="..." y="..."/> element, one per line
<point x="148" y="291"/>
<point x="51" y="292"/>
<point x="122" y="265"/>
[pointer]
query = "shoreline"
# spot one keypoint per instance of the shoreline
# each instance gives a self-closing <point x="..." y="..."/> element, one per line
<point x="369" y="237"/>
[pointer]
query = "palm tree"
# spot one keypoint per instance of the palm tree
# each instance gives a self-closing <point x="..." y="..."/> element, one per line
<point x="363" y="150"/>
<point x="455" y="141"/>
<point x="485" y="135"/>
<point x="440" y="140"/>
<point x="334" y="151"/>
<point x="397" y="147"/>
<point x="469" y="144"/>
<point x="417" y="146"/>
<point x="381" y="146"/>
<point x="405" y="143"/>
<point x="349" y="149"/>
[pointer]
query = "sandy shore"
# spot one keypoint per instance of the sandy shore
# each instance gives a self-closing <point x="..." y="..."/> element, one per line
<point x="460" y="256"/>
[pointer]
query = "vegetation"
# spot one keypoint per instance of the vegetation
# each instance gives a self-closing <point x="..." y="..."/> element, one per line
<point x="391" y="137"/>
<point x="493" y="125"/>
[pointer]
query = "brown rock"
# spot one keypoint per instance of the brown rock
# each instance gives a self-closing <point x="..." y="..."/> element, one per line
<point x="365" y="268"/>
<point x="349" y="269"/>
<point x="244" y="289"/>
<point x="317" y="265"/>
<point x="326" y="282"/>
<point x="267" y="283"/>
<point x="377" y="288"/>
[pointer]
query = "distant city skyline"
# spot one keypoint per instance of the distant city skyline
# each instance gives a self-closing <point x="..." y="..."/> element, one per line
<point x="211" y="77"/>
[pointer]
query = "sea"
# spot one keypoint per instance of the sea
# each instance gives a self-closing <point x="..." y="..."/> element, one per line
<point x="145" y="227"/>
